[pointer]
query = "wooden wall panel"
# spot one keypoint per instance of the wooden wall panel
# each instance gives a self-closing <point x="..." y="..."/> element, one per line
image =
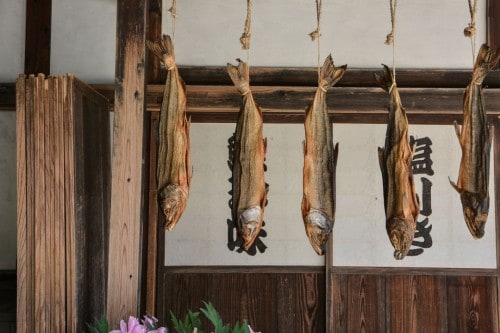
<point x="270" y="302"/>
<point x="472" y="304"/>
<point x="415" y="303"/>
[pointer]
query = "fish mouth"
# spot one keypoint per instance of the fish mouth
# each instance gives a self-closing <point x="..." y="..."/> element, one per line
<point x="401" y="236"/>
<point x="318" y="228"/>
<point x="172" y="203"/>
<point x="475" y="214"/>
<point x="249" y="225"/>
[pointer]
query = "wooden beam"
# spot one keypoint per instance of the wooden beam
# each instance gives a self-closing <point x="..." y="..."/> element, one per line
<point x="150" y="237"/>
<point x="37" y="42"/>
<point x="127" y="181"/>
<point x="494" y="24"/>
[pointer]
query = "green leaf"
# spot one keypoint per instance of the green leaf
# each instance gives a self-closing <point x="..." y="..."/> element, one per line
<point x="101" y="326"/>
<point x="215" y="318"/>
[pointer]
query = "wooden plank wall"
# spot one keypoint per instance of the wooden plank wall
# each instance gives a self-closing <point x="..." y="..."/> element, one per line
<point x="62" y="225"/>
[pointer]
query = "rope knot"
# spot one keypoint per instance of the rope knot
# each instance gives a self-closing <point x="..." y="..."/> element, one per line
<point x="315" y="34"/>
<point x="470" y="30"/>
<point x="389" y="39"/>
<point x="245" y="40"/>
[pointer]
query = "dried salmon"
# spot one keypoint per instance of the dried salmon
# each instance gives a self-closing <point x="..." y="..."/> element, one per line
<point x="400" y="201"/>
<point x="173" y="162"/>
<point x="249" y="188"/>
<point x="320" y="159"/>
<point x="475" y="139"/>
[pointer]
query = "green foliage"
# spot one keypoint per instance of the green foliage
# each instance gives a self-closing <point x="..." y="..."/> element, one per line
<point x="100" y="326"/>
<point x="191" y="321"/>
<point x="212" y="315"/>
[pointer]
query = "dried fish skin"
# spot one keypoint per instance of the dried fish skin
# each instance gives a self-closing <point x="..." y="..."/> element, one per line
<point x="475" y="137"/>
<point x="173" y="169"/>
<point x="400" y="200"/>
<point x="320" y="160"/>
<point x="249" y="187"/>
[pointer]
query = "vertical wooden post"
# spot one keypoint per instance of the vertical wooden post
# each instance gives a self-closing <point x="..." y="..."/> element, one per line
<point x="37" y="42"/>
<point x="151" y="236"/>
<point x="127" y="180"/>
<point x="494" y="24"/>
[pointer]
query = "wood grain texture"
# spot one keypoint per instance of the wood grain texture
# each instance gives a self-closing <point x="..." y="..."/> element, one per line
<point x="346" y="105"/>
<point x="415" y="304"/>
<point x="38" y="32"/>
<point x="269" y="302"/>
<point x="23" y="262"/>
<point x="126" y="219"/>
<point x="471" y="307"/>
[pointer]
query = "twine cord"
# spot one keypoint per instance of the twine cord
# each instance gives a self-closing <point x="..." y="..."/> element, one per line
<point x="173" y="13"/>
<point x="470" y="29"/>
<point x="316" y="34"/>
<point x="391" y="37"/>
<point x="247" y="34"/>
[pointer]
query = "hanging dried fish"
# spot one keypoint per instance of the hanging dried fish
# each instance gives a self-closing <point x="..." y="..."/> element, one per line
<point x="400" y="201"/>
<point x="249" y="188"/>
<point x="475" y="138"/>
<point x="320" y="159"/>
<point x="173" y="162"/>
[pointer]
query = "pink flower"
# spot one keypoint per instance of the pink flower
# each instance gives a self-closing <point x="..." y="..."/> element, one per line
<point x="133" y="326"/>
<point x="251" y="330"/>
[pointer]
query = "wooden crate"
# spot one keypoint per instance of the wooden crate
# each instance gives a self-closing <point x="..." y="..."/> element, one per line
<point x="63" y="195"/>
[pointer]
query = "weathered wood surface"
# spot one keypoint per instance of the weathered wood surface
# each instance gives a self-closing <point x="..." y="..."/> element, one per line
<point x="127" y="197"/>
<point x="38" y="32"/>
<point x="268" y="302"/>
<point x="63" y="177"/>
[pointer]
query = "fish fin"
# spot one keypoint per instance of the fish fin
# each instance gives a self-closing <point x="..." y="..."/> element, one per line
<point x="486" y="60"/>
<point x="386" y="80"/>
<point x="335" y="154"/>
<point x="240" y="75"/>
<point x="265" y="146"/>
<point x="454" y="185"/>
<point x="304" y="149"/>
<point x="164" y="50"/>
<point x="329" y="74"/>
<point x="381" y="158"/>
<point x="457" y="129"/>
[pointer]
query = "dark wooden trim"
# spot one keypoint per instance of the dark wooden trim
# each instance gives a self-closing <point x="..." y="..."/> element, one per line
<point x="7" y="97"/>
<point x="242" y="269"/>
<point x="38" y="31"/>
<point x="415" y="271"/>
<point x="354" y="77"/>
<point x="494" y="24"/>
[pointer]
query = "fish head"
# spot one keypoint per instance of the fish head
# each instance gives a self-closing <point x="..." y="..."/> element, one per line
<point x="172" y="203"/>
<point x="318" y="227"/>
<point x="401" y="232"/>
<point x="249" y="224"/>
<point x="475" y="213"/>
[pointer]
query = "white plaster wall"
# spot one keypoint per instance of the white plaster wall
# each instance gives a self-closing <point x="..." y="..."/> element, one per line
<point x="428" y="33"/>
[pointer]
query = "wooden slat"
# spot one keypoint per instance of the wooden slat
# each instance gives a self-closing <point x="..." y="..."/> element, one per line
<point x="339" y="303"/>
<point x="22" y="241"/>
<point x="127" y="162"/>
<point x="364" y="299"/>
<point x="471" y="307"/>
<point x="415" y="300"/>
<point x="38" y="31"/>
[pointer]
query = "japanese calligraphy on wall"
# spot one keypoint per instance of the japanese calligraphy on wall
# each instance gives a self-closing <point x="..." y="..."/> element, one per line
<point x="441" y="238"/>
<point x="205" y="237"/>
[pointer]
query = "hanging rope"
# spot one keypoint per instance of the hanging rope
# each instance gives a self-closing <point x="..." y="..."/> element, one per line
<point x="317" y="33"/>
<point x="390" y="37"/>
<point x="245" y="36"/>
<point x="470" y="30"/>
<point x="173" y="13"/>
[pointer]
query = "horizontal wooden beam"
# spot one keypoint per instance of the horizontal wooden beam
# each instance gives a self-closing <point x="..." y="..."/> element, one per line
<point x="430" y="96"/>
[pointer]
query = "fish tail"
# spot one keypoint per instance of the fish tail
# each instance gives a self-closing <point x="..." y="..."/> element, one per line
<point x="164" y="50"/>
<point x="240" y="75"/>
<point x="486" y="60"/>
<point x="386" y="80"/>
<point x="329" y="74"/>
